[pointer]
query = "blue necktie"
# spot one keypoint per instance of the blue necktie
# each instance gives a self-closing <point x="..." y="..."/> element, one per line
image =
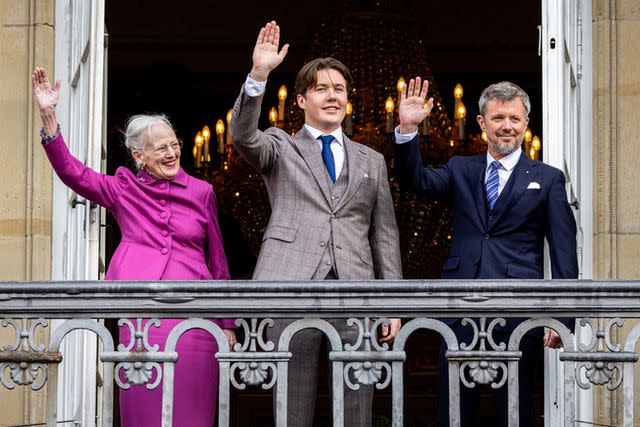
<point x="327" y="156"/>
<point x="493" y="183"/>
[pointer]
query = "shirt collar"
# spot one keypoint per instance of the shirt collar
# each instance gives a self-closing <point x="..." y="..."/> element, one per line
<point x="144" y="177"/>
<point x="315" y="133"/>
<point x="508" y="162"/>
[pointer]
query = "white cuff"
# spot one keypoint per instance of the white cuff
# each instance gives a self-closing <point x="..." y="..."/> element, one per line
<point x="254" y="88"/>
<point x="401" y="139"/>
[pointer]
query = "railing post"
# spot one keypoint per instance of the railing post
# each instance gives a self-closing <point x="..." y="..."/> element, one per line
<point x="281" y="394"/>
<point x="338" y="394"/>
<point x="454" y="393"/>
<point x="397" y="393"/>
<point x="513" y="393"/>
<point x="223" y="395"/>
<point x="52" y="395"/>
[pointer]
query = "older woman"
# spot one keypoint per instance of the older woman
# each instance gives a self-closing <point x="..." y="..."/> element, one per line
<point x="169" y="232"/>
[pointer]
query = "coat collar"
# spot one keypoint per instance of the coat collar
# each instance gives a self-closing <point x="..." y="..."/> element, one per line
<point x="308" y="148"/>
<point x="477" y="171"/>
<point x="144" y="177"/>
<point x="355" y="156"/>
<point x="524" y="172"/>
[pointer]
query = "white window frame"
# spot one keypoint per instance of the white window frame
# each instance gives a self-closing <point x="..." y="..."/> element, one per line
<point x="79" y="64"/>
<point x="567" y="145"/>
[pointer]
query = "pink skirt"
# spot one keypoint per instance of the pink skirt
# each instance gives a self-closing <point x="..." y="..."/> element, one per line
<point x="195" y="382"/>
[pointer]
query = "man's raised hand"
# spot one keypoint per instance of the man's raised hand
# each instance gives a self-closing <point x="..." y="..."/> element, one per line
<point x="266" y="56"/>
<point x="412" y="108"/>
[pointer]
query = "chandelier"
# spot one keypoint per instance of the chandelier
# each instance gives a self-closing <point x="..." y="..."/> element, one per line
<point x="381" y="49"/>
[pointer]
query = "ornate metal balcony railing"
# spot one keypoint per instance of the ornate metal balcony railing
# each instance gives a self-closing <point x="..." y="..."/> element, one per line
<point x="258" y="362"/>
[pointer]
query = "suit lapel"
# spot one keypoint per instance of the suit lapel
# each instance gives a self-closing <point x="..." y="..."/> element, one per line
<point x="311" y="154"/>
<point x="356" y="163"/>
<point x="523" y="173"/>
<point x="477" y="169"/>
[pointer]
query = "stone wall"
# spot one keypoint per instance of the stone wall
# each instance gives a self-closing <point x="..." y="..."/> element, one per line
<point x="26" y="40"/>
<point x="616" y="134"/>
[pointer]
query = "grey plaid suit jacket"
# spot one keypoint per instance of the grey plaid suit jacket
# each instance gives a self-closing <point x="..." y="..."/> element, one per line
<point x="362" y="223"/>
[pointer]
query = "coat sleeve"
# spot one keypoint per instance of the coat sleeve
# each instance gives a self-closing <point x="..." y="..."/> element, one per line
<point x="413" y="175"/>
<point x="216" y="259"/>
<point x="561" y="232"/>
<point x="384" y="239"/>
<point x="260" y="149"/>
<point x="96" y="187"/>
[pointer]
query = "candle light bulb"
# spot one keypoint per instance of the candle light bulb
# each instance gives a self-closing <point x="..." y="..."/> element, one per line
<point x="457" y="91"/>
<point x="349" y="108"/>
<point x="536" y="143"/>
<point x="389" y="105"/>
<point x="532" y="153"/>
<point x="527" y="135"/>
<point x="219" y="127"/>
<point x="461" y="111"/>
<point x="401" y="84"/>
<point x="229" y="116"/>
<point x="273" y="115"/>
<point x="484" y="136"/>
<point x="282" y="93"/>
<point x="206" y="133"/>
<point x="197" y="149"/>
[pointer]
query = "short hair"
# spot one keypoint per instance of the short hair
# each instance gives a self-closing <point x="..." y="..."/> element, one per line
<point x="134" y="135"/>
<point x="308" y="75"/>
<point x="504" y="91"/>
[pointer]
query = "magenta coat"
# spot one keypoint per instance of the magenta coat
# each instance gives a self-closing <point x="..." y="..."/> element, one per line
<point x="169" y="228"/>
<point x="169" y="232"/>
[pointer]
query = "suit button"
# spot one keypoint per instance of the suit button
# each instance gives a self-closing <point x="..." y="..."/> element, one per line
<point x="333" y="217"/>
<point x="163" y="214"/>
<point x="165" y="233"/>
<point x="322" y="244"/>
<point x="487" y="237"/>
<point x="163" y="186"/>
<point x="490" y="217"/>
<point x="164" y="251"/>
<point x="163" y="203"/>
<point x="476" y="261"/>
<point x="328" y="262"/>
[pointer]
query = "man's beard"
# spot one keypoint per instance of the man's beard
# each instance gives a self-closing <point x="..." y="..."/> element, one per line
<point x="505" y="148"/>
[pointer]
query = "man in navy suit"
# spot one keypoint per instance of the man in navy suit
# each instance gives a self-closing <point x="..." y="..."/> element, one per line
<point x="503" y="205"/>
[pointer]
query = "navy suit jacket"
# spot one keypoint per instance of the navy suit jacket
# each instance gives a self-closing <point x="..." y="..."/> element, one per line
<point x="507" y="241"/>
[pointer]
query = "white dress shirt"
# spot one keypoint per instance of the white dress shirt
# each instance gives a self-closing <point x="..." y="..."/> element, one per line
<point x="507" y="163"/>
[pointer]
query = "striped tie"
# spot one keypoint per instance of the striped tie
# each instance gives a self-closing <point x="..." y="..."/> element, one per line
<point x="493" y="184"/>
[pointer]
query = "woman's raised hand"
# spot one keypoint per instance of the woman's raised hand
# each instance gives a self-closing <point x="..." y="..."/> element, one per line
<point x="46" y="96"/>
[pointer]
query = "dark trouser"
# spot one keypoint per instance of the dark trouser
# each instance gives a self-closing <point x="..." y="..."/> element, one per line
<point x="307" y="346"/>
<point x="530" y="347"/>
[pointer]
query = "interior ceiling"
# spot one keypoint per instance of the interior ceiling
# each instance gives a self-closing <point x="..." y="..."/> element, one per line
<point x="224" y="32"/>
<point x="189" y="58"/>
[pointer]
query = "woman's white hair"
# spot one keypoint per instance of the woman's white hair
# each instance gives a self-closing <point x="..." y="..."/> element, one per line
<point x="140" y="125"/>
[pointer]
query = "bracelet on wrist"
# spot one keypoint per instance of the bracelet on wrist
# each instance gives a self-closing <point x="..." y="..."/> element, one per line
<point x="48" y="138"/>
